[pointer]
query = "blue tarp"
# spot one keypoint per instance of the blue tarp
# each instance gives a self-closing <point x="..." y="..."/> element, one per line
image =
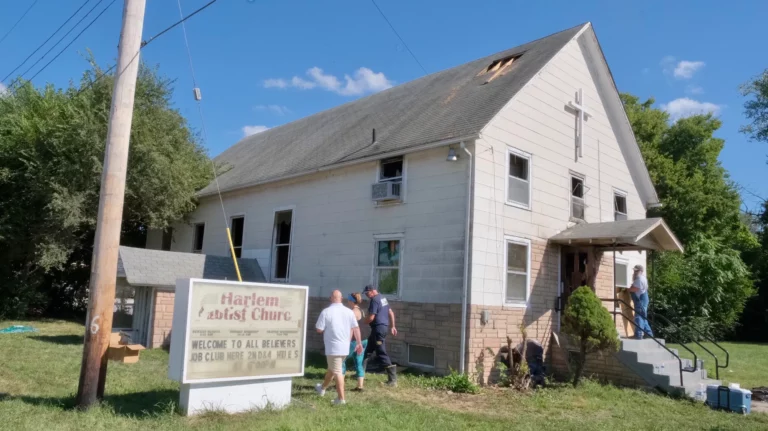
<point x="15" y="329"/>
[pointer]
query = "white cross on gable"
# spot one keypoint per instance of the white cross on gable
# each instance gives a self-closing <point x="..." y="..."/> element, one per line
<point x="581" y="109"/>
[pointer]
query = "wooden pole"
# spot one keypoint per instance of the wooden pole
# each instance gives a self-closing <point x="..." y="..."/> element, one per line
<point x="105" y="248"/>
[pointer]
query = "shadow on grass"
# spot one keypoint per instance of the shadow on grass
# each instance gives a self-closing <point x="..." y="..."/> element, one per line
<point x="65" y="340"/>
<point x="139" y="404"/>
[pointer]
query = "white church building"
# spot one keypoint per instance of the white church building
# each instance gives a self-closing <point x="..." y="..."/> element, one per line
<point x="476" y="198"/>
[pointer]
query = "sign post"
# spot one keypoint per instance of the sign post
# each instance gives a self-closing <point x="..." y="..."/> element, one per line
<point x="236" y="346"/>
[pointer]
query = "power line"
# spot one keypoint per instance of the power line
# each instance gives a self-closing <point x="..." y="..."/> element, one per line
<point x="70" y="42"/>
<point x="143" y="44"/>
<point x="47" y="40"/>
<point x="19" y="20"/>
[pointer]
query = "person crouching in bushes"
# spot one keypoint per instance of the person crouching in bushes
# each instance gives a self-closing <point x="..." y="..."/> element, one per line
<point x="353" y="301"/>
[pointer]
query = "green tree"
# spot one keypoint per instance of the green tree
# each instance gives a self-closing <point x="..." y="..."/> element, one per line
<point x="711" y="281"/>
<point x="51" y="151"/>
<point x="590" y="326"/>
<point x="756" y="108"/>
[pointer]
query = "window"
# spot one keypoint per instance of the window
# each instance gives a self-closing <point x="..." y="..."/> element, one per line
<point x="197" y="245"/>
<point x="519" y="181"/>
<point x="577" y="198"/>
<point x="387" y="266"/>
<point x="391" y="169"/>
<point x="619" y="206"/>
<point x="518" y="267"/>
<point x="620" y="274"/>
<point x="421" y="355"/>
<point x="237" y="235"/>
<point x="282" y="250"/>
<point x="167" y="239"/>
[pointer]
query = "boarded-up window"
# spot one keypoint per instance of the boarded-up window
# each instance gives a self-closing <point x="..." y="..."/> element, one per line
<point x="620" y="275"/>
<point x="421" y="355"/>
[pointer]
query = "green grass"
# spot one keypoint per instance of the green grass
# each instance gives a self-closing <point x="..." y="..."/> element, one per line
<point x="39" y="372"/>
<point x="748" y="363"/>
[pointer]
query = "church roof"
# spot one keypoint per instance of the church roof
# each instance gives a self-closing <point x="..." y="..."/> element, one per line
<point x="453" y="104"/>
<point x="146" y="267"/>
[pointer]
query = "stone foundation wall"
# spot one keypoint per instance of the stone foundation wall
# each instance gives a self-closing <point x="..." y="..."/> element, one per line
<point x="162" y="318"/>
<point x="424" y="324"/>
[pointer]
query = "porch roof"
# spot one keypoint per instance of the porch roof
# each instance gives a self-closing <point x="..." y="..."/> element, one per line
<point x="643" y="234"/>
<point x="158" y="268"/>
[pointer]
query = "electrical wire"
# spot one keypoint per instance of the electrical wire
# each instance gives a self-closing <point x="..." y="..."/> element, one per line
<point x="47" y="40"/>
<point x="199" y="104"/>
<point x="18" y="21"/>
<point x="73" y="40"/>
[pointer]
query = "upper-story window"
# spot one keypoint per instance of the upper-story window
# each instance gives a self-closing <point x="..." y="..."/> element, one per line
<point x="238" y="224"/>
<point x="391" y="169"/>
<point x="578" y="206"/>
<point x="619" y="206"/>
<point x="519" y="179"/>
<point x="197" y="244"/>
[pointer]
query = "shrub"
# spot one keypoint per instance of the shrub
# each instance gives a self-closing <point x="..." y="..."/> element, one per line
<point x="454" y="382"/>
<point x="590" y="325"/>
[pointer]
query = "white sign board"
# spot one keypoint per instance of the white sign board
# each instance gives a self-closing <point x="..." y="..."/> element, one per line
<point x="229" y="335"/>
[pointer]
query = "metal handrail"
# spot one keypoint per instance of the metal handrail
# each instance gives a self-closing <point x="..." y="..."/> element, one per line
<point x="717" y="366"/>
<point x="679" y="360"/>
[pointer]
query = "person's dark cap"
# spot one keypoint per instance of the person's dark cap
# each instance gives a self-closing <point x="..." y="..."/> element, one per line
<point x="369" y="288"/>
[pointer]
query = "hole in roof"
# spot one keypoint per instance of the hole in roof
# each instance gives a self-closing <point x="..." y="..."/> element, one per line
<point x="499" y="67"/>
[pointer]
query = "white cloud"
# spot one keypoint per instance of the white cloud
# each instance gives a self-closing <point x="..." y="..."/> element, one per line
<point x="277" y="109"/>
<point x="3" y="89"/>
<point x="362" y="81"/>
<point x="252" y="130"/>
<point x="694" y="89"/>
<point x="685" y="69"/>
<point x="685" y="107"/>
<point x="275" y="83"/>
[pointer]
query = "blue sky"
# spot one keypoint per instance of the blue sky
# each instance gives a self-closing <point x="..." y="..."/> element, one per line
<point x="688" y="55"/>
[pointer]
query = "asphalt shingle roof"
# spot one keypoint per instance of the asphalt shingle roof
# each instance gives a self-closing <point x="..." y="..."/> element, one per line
<point x="627" y="232"/>
<point x="451" y="104"/>
<point x="145" y="267"/>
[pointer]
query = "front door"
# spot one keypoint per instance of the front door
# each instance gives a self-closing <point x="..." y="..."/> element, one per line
<point x="573" y="273"/>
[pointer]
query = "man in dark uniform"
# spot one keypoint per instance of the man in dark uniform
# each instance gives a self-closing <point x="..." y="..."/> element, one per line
<point x="380" y="316"/>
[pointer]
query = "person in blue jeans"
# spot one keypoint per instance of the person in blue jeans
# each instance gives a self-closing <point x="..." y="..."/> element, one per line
<point x="639" y="292"/>
<point x="353" y="302"/>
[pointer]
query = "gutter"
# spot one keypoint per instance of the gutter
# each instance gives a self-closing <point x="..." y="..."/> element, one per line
<point x="465" y="287"/>
<point x="338" y="165"/>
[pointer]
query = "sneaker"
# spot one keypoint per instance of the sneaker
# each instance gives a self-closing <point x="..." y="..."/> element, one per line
<point x="319" y="389"/>
<point x="338" y="402"/>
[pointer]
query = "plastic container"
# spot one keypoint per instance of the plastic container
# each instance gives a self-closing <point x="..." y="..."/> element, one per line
<point x="731" y="398"/>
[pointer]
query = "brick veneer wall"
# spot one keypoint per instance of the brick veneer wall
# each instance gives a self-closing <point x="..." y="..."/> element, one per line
<point x="604" y="366"/>
<point x="162" y="318"/>
<point x="539" y="316"/>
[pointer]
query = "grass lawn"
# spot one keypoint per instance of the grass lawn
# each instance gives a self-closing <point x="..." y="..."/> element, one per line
<point x="39" y="372"/>
<point x="748" y="362"/>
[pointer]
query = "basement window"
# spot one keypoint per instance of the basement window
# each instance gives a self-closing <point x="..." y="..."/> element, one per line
<point x="422" y="356"/>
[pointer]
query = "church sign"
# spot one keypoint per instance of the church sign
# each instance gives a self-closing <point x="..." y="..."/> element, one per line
<point x="227" y="331"/>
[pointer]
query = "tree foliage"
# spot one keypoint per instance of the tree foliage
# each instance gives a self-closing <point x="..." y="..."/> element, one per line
<point x="756" y="108"/>
<point x="590" y="326"/>
<point x="51" y="151"/>
<point x="705" y="288"/>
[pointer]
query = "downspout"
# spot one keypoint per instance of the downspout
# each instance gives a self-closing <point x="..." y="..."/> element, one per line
<point x="465" y="287"/>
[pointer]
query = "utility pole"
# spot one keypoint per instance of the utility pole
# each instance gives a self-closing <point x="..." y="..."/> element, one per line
<point x="101" y="298"/>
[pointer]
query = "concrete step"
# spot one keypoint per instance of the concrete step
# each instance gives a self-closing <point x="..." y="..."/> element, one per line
<point x="630" y="344"/>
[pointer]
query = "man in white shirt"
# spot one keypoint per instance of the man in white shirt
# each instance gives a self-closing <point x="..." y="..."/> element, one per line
<point x="337" y="323"/>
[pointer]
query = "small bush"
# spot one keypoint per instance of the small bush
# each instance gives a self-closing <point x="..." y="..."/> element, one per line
<point x="454" y="382"/>
<point x="590" y="325"/>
